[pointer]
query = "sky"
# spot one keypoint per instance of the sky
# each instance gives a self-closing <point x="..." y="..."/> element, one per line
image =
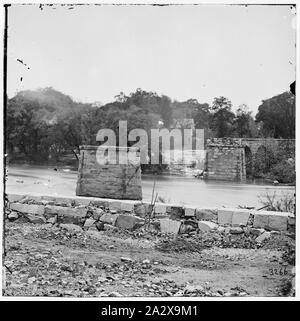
<point x="92" y="53"/>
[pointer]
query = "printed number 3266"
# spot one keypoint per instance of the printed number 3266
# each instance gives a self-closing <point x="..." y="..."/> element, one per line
<point x="281" y="271"/>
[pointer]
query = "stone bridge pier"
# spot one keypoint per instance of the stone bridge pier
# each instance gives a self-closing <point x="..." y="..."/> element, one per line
<point x="108" y="177"/>
<point x="232" y="158"/>
<point x="225" y="160"/>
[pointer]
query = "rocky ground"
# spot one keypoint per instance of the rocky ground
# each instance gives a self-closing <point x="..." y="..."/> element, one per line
<point x="63" y="260"/>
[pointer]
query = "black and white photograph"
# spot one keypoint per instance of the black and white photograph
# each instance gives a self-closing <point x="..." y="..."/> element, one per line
<point x="149" y="151"/>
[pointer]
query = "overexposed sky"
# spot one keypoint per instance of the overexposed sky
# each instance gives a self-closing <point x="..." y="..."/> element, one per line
<point x="93" y="52"/>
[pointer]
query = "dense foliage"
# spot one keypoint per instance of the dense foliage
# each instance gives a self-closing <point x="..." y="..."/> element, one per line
<point x="277" y="115"/>
<point x="46" y="124"/>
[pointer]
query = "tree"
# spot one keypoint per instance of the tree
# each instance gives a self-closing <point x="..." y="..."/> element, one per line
<point x="201" y="116"/>
<point x="244" y="124"/>
<point x="25" y="128"/>
<point x="45" y="123"/>
<point x="222" y="117"/>
<point x="148" y="101"/>
<point x="165" y="110"/>
<point x="277" y="115"/>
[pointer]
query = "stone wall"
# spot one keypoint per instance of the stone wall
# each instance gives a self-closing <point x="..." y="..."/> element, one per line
<point x="109" y="179"/>
<point x="225" y="160"/>
<point x="128" y="214"/>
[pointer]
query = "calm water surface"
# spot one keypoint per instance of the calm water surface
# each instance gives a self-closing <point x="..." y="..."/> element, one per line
<point x="186" y="191"/>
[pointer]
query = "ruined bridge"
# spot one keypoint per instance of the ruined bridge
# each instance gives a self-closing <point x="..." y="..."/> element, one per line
<point x="232" y="158"/>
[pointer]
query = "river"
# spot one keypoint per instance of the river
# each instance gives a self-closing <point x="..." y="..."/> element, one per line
<point x="185" y="191"/>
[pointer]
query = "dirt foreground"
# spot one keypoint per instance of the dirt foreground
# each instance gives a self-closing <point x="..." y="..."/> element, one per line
<point x="45" y="260"/>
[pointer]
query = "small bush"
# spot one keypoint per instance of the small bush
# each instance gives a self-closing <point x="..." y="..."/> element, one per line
<point x="286" y="202"/>
<point x="284" y="172"/>
<point x="274" y="164"/>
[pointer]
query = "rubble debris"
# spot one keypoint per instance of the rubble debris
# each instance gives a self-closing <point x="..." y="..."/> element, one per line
<point x="35" y="219"/>
<point x="169" y="226"/>
<point x="71" y="228"/>
<point x="263" y="237"/>
<point x="129" y="222"/>
<point x="205" y="226"/>
<point x="236" y="230"/>
<point x="132" y="250"/>
<point x="109" y="218"/>
<point x="89" y="222"/>
<point x="40" y="269"/>
<point x="12" y="216"/>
